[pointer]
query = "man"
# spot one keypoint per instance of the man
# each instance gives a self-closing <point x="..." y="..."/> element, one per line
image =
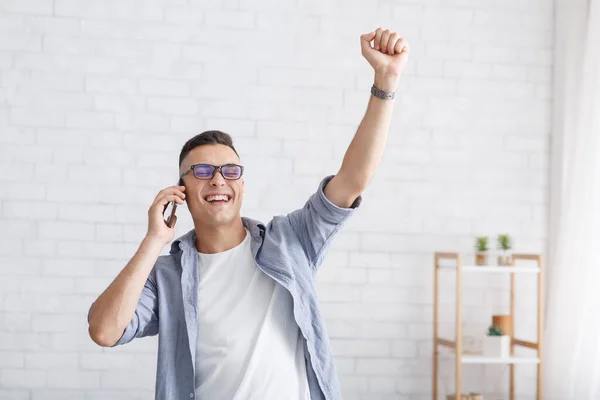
<point x="234" y="302"/>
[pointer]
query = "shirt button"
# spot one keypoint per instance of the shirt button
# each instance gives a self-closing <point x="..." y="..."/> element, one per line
<point x="191" y="395"/>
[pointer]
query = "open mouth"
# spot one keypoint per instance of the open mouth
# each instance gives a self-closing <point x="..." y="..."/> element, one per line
<point x="218" y="198"/>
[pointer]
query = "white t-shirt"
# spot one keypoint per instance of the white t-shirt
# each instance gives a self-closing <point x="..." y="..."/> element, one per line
<point x="249" y="345"/>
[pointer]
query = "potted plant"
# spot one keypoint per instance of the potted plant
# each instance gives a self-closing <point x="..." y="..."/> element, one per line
<point x="481" y="245"/>
<point x="464" y="396"/>
<point x="496" y="343"/>
<point x="504" y="244"/>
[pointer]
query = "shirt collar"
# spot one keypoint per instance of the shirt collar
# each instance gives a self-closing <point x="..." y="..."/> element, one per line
<point x="188" y="240"/>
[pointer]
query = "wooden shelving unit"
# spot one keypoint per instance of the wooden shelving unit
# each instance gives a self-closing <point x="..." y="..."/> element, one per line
<point x="457" y="346"/>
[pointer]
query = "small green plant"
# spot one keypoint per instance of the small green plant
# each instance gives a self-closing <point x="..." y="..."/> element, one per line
<point x="495" y="331"/>
<point x="481" y="244"/>
<point x="504" y="242"/>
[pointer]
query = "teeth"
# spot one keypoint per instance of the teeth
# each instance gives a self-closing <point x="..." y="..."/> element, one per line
<point x="217" y="197"/>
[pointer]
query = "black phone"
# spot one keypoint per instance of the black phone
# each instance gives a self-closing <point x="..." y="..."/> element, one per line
<point x="171" y="220"/>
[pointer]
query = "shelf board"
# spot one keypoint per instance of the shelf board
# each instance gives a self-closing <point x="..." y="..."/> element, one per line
<point x="480" y="359"/>
<point x="493" y="268"/>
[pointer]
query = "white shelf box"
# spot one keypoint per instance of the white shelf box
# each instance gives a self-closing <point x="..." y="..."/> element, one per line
<point x="481" y="359"/>
<point x="492" y="268"/>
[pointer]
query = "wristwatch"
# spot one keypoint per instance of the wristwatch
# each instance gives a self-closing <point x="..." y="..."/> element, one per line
<point x="382" y="94"/>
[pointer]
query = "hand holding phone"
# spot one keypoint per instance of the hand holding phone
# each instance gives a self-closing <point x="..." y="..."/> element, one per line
<point x="158" y="227"/>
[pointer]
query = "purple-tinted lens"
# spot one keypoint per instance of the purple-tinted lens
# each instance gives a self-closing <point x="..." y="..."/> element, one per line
<point x="231" y="171"/>
<point x="204" y="171"/>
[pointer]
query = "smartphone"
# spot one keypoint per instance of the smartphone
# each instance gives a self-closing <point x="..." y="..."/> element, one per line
<point x="171" y="220"/>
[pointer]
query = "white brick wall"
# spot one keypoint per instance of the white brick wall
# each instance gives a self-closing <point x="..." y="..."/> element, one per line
<point x="98" y="96"/>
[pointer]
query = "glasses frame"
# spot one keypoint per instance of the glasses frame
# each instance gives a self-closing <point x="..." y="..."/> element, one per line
<point x="215" y="168"/>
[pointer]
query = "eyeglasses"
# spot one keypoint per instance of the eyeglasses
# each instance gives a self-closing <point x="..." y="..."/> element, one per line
<point x="208" y="171"/>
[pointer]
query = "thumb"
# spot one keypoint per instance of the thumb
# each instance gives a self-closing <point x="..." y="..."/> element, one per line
<point x="368" y="36"/>
<point x="365" y="40"/>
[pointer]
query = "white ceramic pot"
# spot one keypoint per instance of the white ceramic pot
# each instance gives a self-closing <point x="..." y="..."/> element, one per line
<point x="496" y="346"/>
<point x="504" y="260"/>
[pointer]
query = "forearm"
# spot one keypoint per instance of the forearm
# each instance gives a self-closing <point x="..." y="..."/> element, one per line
<point x="366" y="149"/>
<point x="115" y="307"/>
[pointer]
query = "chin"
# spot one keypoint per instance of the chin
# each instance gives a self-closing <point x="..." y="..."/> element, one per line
<point x="215" y="219"/>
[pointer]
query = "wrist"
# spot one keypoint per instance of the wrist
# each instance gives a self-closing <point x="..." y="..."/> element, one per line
<point x="153" y="242"/>
<point x="386" y="82"/>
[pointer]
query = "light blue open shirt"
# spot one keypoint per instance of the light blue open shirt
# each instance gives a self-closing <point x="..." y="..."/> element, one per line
<point x="289" y="249"/>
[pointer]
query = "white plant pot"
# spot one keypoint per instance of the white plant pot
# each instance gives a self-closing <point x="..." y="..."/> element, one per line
<point x="496" y="346"/>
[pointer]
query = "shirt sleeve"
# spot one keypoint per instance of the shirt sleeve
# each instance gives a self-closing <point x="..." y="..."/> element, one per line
<point x="145" y="319"/>
<point x="318" y="221"/>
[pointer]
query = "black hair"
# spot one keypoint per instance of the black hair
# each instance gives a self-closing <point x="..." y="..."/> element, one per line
<point x="204" y="138"/>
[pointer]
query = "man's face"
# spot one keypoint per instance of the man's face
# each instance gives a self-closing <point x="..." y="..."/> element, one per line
<point x="199" y="192"/>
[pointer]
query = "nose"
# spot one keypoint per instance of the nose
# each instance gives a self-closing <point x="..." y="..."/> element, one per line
<point x="218" y="179"/>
